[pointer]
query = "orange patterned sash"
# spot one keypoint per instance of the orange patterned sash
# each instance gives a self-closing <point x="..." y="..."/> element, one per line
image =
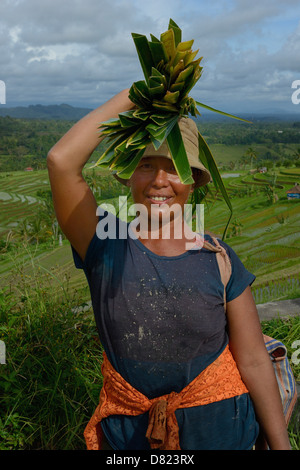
<point x="219" y="381"/>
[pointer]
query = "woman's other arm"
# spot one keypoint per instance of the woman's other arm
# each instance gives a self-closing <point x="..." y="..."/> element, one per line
<point x="249" y="351"/>
<point x="74" y="202"/>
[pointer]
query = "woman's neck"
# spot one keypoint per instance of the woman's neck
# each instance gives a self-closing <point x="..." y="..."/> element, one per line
<point x="165" y="241"/>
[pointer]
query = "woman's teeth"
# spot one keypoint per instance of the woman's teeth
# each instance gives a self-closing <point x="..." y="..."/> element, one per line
<point x="159" y="198"/>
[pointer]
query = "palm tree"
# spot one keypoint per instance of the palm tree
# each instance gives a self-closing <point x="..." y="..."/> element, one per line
<point x="252" y="154"/>
<point x="37" y="229"/>
<point x="23" y="229"/>
<point x="297" y="154"/>
<point x="243" y="161"/>
<point x="93" y="183"/>
<point x="270" y="189"/>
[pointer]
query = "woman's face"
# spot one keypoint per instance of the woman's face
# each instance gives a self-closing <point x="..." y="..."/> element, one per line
<point x="155" y="183"/>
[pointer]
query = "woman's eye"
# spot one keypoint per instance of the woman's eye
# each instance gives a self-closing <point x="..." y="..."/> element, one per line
<point x="172" y="169"/>
<point x="145" y="166"/>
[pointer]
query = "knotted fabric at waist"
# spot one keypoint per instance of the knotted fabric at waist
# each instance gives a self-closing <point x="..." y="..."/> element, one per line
<point x="219" y="381"/>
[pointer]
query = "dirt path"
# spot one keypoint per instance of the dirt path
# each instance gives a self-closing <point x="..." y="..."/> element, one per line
<point x="280" y="308"/>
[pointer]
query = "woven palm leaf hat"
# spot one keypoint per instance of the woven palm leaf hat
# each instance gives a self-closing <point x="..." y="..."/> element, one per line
<point x="160" y="125"/>
<point x="189" y="132"/>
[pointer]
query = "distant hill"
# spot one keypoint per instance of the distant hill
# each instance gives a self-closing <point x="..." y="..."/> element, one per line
<point x="253" y="117"/>
<point x="71" y="113"/>
<point x="39" y="111"/>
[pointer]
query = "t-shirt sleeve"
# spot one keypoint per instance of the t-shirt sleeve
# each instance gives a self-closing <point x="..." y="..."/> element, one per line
<point x="240" y="276"/>
<point x="82" y="264"/>
<point x="109" y="227"/>
<point x="76" y="258"/>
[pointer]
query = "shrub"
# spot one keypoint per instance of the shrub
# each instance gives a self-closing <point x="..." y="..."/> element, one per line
<point x="51" y="381"/>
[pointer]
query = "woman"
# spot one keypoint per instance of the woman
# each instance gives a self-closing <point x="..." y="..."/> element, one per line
<point x="159" y="309"/>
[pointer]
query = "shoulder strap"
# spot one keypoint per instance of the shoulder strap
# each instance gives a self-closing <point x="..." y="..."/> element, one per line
<point x="223" y="262"/>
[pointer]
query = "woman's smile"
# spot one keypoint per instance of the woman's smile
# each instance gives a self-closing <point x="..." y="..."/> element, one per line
<point x="160" y="199"/>
<point x="155" y="182"/>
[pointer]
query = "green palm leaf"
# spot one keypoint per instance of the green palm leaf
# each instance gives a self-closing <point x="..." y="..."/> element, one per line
<point x="209" y="162"/>
<point x="179" y="156"/>
<point x="158" y="52"/>
<point x="129" y="168"/>
<point x="159" y="134"/>
<point x="176" y="30"/>
<point x="221" y="112"/>
<point x="144" y="54"/>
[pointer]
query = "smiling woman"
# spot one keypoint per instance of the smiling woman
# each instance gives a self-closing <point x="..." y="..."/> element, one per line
<point x="156" y="186"/>
<point x="184" y="364"/>
<point x="161" y="317"/>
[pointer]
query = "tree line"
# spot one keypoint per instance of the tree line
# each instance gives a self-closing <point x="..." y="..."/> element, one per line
<point x="240" y="133"/>
<point x="26" y="142"/>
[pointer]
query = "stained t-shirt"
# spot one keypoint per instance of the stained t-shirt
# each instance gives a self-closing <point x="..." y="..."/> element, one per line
<point x="161" y="322"/>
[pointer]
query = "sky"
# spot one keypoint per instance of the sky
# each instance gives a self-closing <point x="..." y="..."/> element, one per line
<point x="81" y="52"/>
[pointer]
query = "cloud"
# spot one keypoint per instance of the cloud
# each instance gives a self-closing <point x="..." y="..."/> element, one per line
<point x="81" y="51"/>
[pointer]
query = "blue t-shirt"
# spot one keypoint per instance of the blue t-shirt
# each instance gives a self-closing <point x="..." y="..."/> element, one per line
<point x="161" y="321"/>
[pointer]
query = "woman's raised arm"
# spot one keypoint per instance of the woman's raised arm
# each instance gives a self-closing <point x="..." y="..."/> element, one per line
<point x="74" y="202"/>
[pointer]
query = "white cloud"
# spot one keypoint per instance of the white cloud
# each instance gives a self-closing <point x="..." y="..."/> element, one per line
<point x="81" y="51"/>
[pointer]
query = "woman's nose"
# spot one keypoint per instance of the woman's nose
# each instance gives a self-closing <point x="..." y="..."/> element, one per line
<point x="161" y="178"/>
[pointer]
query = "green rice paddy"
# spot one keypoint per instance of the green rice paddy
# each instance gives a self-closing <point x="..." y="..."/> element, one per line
<point x="264" y="234"/>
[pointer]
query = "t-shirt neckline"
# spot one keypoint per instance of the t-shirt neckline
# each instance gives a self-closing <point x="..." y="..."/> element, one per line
<point x="196" y="248"/>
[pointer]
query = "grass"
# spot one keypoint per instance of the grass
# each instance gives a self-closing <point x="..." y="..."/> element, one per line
<point x="51" y="381"/>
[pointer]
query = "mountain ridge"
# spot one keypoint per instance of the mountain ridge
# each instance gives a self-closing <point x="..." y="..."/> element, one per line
<point x="38" y="111"/>
<point x="65" y="111"/>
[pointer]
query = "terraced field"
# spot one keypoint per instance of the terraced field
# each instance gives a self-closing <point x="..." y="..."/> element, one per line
<point x="265" y="234"/>
<point x="18" y="200"/>
<point x="18" y="196"/>
<point x="268" y="239"/>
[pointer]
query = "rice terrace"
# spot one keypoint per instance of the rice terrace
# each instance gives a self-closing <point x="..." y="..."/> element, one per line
<point x="48" y="385"/>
